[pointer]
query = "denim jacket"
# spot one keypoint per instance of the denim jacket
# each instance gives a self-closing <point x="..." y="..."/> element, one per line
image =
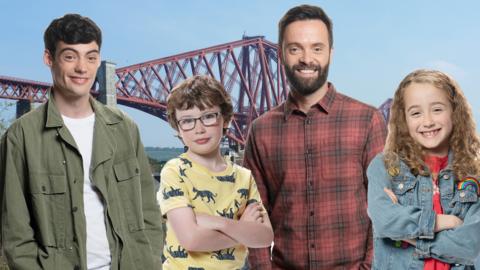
<point x="413" y="218"/>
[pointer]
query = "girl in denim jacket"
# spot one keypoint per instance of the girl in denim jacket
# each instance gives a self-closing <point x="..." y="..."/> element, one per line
<point x="423" y="189"/>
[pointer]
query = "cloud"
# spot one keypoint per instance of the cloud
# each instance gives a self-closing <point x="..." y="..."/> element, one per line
<point x="452" y="69"/>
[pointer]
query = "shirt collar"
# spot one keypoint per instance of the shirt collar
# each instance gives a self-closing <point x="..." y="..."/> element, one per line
<point x="54" y="118"/>
<point x="324" y="104"/>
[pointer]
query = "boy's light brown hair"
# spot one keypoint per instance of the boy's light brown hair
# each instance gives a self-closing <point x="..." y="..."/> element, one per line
<point x="200" y="91"/>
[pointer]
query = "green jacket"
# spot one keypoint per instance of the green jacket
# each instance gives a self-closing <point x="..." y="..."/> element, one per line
<point x="41" y="192"/>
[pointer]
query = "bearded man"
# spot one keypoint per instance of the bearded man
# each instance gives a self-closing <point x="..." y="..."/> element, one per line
<point x="309" y="157"/>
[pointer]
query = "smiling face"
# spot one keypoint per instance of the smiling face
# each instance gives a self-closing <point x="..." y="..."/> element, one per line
<point x="306" y="53"/>
<point x="428" y="114"/>
<point x="201" y="140"/>
<point x="73" y="67"/>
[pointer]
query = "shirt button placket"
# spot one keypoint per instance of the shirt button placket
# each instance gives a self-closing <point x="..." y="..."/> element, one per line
<point x="310" y="193"/>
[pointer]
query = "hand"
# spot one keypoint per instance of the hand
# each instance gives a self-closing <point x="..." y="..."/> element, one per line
<point x="208" y="222"/>
<point x="391" y="195"/>
<point x="445" y="222"/>
<point x="253" y="213"/>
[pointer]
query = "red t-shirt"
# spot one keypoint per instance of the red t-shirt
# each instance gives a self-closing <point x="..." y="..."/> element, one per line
<point x="436" y="164"/>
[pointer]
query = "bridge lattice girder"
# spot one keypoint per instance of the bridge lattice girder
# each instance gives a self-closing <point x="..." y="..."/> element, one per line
<point x="249" y="69"/>
<point x="20" y="89"/>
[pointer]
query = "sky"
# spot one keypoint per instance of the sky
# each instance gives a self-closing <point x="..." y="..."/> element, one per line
<point x="376" y="43"/>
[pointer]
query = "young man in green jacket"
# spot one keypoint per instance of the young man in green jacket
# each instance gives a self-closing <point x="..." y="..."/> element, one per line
<point x="76" y="189"/>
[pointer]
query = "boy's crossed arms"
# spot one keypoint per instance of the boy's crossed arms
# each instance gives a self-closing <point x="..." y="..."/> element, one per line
<point x="204" y="232"/>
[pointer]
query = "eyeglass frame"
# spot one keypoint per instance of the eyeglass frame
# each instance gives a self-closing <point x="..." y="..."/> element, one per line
<point x="217" y="116"/>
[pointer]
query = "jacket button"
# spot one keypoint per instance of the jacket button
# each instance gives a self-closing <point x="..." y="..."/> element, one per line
<point x="462" y="194"/>
<point x="137" y="170"/>
<point x="446" y="176"/>
<point x="74" y="209"/>
<point x="400" y="186"/>
<point x="44" y="188"/>
<point x="76" y="267"/>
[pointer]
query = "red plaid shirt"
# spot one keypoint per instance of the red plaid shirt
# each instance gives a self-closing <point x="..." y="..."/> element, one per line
<point x="311" y="173"/>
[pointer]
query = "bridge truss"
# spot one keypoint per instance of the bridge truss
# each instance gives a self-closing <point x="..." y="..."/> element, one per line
<point x="249" y="69"/>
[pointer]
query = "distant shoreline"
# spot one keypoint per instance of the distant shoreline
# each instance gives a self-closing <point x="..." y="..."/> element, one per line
<point x="163" y="153"/>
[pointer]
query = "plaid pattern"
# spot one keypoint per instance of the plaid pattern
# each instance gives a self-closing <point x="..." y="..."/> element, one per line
<point x="311" y="173"/>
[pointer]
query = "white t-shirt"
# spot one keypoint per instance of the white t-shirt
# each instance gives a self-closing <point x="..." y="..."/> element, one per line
<point x="98" y="249"/>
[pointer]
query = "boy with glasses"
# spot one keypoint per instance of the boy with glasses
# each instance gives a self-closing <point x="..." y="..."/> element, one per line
<point x="213" y="208"/>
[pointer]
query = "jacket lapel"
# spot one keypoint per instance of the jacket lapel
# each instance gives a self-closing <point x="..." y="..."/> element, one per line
<point x="104" y="143"/>
<point x="104" y="134"/>
<point x="54" y="120"/>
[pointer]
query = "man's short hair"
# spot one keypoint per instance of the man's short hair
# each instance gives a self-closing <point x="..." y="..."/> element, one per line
<point x="302" y="13"/>
<point x="198" y="91"/>
<point x="71" y="29"/>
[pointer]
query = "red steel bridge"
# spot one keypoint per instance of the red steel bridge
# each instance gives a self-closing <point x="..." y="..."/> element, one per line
<point x="249" y="69"/>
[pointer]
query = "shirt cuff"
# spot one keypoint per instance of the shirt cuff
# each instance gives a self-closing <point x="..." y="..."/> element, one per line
<point x="422" y="249"/>
<point x="427" y="224"/>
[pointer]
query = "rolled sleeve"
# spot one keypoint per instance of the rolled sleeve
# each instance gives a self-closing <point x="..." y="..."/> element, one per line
<point x="460" y="245"/>
<point x="171" y="182"/>
<point x="422" y="249"/>
<point x="427" y="224"/>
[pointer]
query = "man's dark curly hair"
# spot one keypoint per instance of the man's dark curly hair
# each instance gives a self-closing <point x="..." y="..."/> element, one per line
<point x="71" y="29"/>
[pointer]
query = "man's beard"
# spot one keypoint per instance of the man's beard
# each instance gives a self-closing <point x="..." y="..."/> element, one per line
<point x="304" y="86"/>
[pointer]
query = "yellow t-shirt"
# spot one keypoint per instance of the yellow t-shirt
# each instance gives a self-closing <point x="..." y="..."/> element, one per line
<point x="185" y="183"/>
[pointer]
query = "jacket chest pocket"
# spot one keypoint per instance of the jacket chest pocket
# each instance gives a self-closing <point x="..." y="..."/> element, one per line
<point x="404" y="188"/>
<point x="49" y="203"/>
<point x="461" y="202"/>
<point x="127" y="174"/>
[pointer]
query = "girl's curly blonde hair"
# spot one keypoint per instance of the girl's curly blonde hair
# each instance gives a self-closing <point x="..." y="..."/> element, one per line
<point x="464" y="141"/>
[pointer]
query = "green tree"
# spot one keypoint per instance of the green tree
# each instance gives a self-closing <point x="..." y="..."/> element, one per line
<point x="5" y="121"/>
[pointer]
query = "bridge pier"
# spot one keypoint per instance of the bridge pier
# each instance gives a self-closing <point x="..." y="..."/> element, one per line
<point x="23" y="107"/>
<point x="106" y="80"/>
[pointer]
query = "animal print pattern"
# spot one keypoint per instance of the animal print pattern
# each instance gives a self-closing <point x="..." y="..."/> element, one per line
<point x="186" y="184"/>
